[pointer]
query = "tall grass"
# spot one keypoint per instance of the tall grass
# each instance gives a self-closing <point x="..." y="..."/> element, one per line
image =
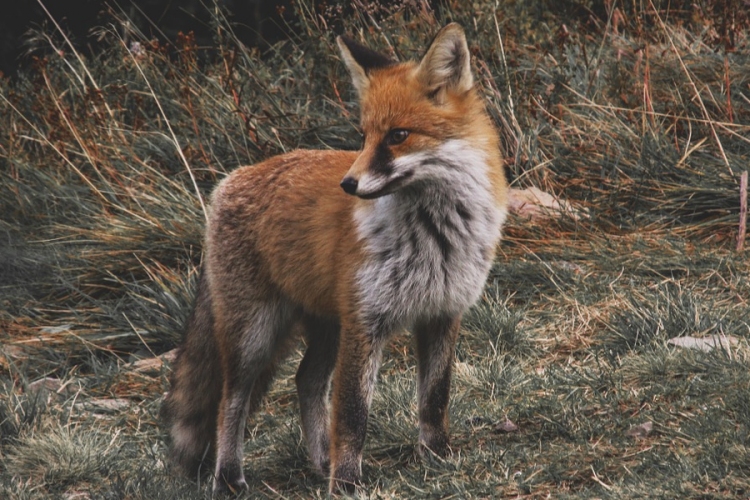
<point x="638" y="117"/>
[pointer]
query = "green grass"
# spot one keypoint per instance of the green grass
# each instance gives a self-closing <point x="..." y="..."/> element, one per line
<point x="102" y="160"/>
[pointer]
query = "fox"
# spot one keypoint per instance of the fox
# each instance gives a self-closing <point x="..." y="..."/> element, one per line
<point x="345" y="249"/>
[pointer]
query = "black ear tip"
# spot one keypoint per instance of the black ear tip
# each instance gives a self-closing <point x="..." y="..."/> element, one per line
<point x="345" y="40"/>
<point x="365" y="57"/>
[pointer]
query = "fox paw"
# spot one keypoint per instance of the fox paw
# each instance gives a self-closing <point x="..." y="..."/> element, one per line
<point x="229" y="481"/>
<point x="438" y="444"/>
<point x="345" y="480"/>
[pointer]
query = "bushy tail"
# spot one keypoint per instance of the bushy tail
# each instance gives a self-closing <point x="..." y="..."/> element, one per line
<point x="191" y="406"/>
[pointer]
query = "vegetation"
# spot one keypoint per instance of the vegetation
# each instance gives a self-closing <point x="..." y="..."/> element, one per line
<point x="635" y="113"/>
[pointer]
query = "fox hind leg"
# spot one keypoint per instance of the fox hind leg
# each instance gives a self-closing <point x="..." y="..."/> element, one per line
<point x="313" y="380"/>
<point x="248" y="370"/>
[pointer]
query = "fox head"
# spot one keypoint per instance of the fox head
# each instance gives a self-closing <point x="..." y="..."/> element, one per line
<point x="410" y="110"/>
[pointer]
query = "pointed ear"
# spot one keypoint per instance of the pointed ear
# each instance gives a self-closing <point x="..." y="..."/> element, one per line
<point x="446" y="65"/>
<point x="360" y="61"/>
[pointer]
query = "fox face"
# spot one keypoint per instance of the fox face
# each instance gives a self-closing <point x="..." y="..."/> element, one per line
<point x="415" y="117"/>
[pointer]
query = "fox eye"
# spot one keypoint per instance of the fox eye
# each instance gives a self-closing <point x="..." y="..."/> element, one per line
<point x="396" y="136"/>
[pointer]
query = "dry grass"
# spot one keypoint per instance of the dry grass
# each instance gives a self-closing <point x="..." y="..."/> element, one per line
<point x="641" y="122"/>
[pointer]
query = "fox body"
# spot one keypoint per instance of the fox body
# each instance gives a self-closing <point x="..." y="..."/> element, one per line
<point x="407" y="244"/>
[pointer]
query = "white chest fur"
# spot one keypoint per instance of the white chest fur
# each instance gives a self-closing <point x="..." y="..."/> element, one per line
<point x="430" y="244"/>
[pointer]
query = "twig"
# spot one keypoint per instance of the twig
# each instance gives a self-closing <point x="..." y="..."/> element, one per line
<point x="728" y="85"/>
<point x="596" y="478"/>
<point x="648" y="102"/>
<point x="743" y="212"/>
<point x="341" y="101"/>
<point x="137" y="333"/>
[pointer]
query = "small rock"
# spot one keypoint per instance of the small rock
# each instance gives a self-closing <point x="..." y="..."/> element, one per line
<point x="506" y="426"/>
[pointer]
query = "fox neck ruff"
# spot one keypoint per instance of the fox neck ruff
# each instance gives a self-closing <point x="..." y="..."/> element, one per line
<point x="431" y="244"/>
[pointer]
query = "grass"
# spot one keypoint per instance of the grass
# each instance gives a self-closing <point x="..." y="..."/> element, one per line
<point x="640" y="123"/>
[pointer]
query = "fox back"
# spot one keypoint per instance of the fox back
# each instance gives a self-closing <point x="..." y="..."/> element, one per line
<point x="347" y="247"/>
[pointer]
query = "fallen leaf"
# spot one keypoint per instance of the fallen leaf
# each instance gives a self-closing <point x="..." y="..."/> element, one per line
<point x="705" y="343"/>
<point x="536" y="204"/>
<point x="154" y="365"/>
<point x="45" y="384"/>
<point x="55" y="329"/>
<point x="149" y="366"/>
<point x="170" y="356"/>
<point x="640" y="431"/>
<point x="51" y="385"/>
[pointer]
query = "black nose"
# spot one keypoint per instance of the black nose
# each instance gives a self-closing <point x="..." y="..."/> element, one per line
<point x="349" y="185"/>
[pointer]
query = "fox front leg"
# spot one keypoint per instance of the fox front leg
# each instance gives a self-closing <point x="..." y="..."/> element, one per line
<point x="436" y="341"/>
<point x="353" y="385"/>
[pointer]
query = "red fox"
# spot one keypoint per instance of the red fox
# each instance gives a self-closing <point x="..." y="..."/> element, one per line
<point x="407" y="244"/>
